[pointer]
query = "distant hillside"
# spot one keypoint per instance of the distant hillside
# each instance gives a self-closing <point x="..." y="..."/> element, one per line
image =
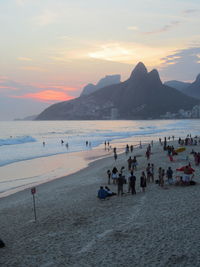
<point x="177" y="85"/>
<point x="142" y="96"/>
<point x="28" y="118"/>
<point x="194" y="88"/>
<point x="106" y="81"/>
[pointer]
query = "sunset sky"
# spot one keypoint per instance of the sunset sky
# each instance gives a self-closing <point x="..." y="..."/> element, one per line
<point x="50" y="50"/>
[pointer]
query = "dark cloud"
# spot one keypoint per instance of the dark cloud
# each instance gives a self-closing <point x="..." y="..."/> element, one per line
<point x="190" y="11"/>
<point x="183" y="65"/>
<point x="9" y="87"/>
<point x="165" y="28"/>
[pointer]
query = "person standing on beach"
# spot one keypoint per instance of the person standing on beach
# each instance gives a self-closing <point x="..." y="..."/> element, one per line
<point x="129" y="163"/>
<point x="140" y="145"/>
<point x="152" y="172"/>
<point x="169" y="175"/>
<point x="120" y="183"/>
<point x="132" y="180"/>
<point x="159" y="175"/>
<point x="127" y="149"/>
<point x="147" y="154"/>
<point x="115" y="156"/>
<point x="143" y="182"/>
<point x="134" y="163"/>
<point x="148" y="171"/>
<point x="114" y="175"/>
<point x="131" y="148"/>
<point x="162" y="178"/>
<point x="109" y="175"/>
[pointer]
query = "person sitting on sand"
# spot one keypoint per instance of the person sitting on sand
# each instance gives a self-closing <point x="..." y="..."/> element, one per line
<point x="102" y="193"/>
<point x="110" y="193"/>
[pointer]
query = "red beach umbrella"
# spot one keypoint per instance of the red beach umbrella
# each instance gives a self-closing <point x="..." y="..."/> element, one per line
<point x="186" y="169"/>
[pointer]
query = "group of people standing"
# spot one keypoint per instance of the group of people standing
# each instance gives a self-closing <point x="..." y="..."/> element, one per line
<point x="148" y="175"/>
<point x="119" y="179"/>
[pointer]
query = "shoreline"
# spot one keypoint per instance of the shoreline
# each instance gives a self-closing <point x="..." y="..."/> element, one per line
<point x="37" y="171"/>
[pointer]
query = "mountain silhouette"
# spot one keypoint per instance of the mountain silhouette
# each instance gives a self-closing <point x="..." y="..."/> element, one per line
<point x="194" y="88"/>
<point x="181" y="86"/>
<point x="142" y="96"/>
<point x="106" y="81"/>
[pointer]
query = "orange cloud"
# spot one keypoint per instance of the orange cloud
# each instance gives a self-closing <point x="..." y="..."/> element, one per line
<point x="47" y="96"/>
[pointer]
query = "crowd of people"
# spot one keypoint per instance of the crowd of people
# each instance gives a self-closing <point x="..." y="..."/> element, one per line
<point x="161" y="177"/>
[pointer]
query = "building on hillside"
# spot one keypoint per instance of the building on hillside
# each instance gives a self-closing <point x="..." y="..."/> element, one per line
<point x="196" y="112"/>
<point x="114" y="114"/>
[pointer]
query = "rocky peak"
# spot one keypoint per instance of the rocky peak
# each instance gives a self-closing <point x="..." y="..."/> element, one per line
<point x="139" y="72"/>
<point x="154" y="77"/>
<point x="198" y="78"/>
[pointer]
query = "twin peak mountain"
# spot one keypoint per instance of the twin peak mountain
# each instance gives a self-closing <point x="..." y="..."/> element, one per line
<point x="142" y="96"/>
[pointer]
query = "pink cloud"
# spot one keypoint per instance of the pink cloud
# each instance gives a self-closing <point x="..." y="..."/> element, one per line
<point x="47" y="96"/>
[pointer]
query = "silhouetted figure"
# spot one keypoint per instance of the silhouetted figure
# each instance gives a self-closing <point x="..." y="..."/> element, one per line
<point x="2" y="244"/>
<point x="109" y="175"/>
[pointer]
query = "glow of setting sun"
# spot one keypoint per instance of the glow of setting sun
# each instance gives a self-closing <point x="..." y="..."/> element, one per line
<point x="47" y="96"/>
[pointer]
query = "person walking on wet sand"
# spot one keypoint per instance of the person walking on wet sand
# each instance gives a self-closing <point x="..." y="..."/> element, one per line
<point x="143" y="182"/>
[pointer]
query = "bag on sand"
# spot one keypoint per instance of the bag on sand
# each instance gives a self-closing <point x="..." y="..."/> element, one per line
<point x="2" y="244"/>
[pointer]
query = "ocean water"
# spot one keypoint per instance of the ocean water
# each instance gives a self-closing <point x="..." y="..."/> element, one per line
<point x="21" y="142"/>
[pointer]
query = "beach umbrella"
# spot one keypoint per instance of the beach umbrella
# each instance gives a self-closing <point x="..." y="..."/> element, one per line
<point x="180" y="149"/>
<point x="187" y="169"/>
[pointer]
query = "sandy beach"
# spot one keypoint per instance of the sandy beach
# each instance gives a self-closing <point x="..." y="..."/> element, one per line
<point x="157" y="228"/>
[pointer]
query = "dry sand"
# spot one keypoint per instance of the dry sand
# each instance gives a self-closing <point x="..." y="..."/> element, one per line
<point x="74" y="228"/>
